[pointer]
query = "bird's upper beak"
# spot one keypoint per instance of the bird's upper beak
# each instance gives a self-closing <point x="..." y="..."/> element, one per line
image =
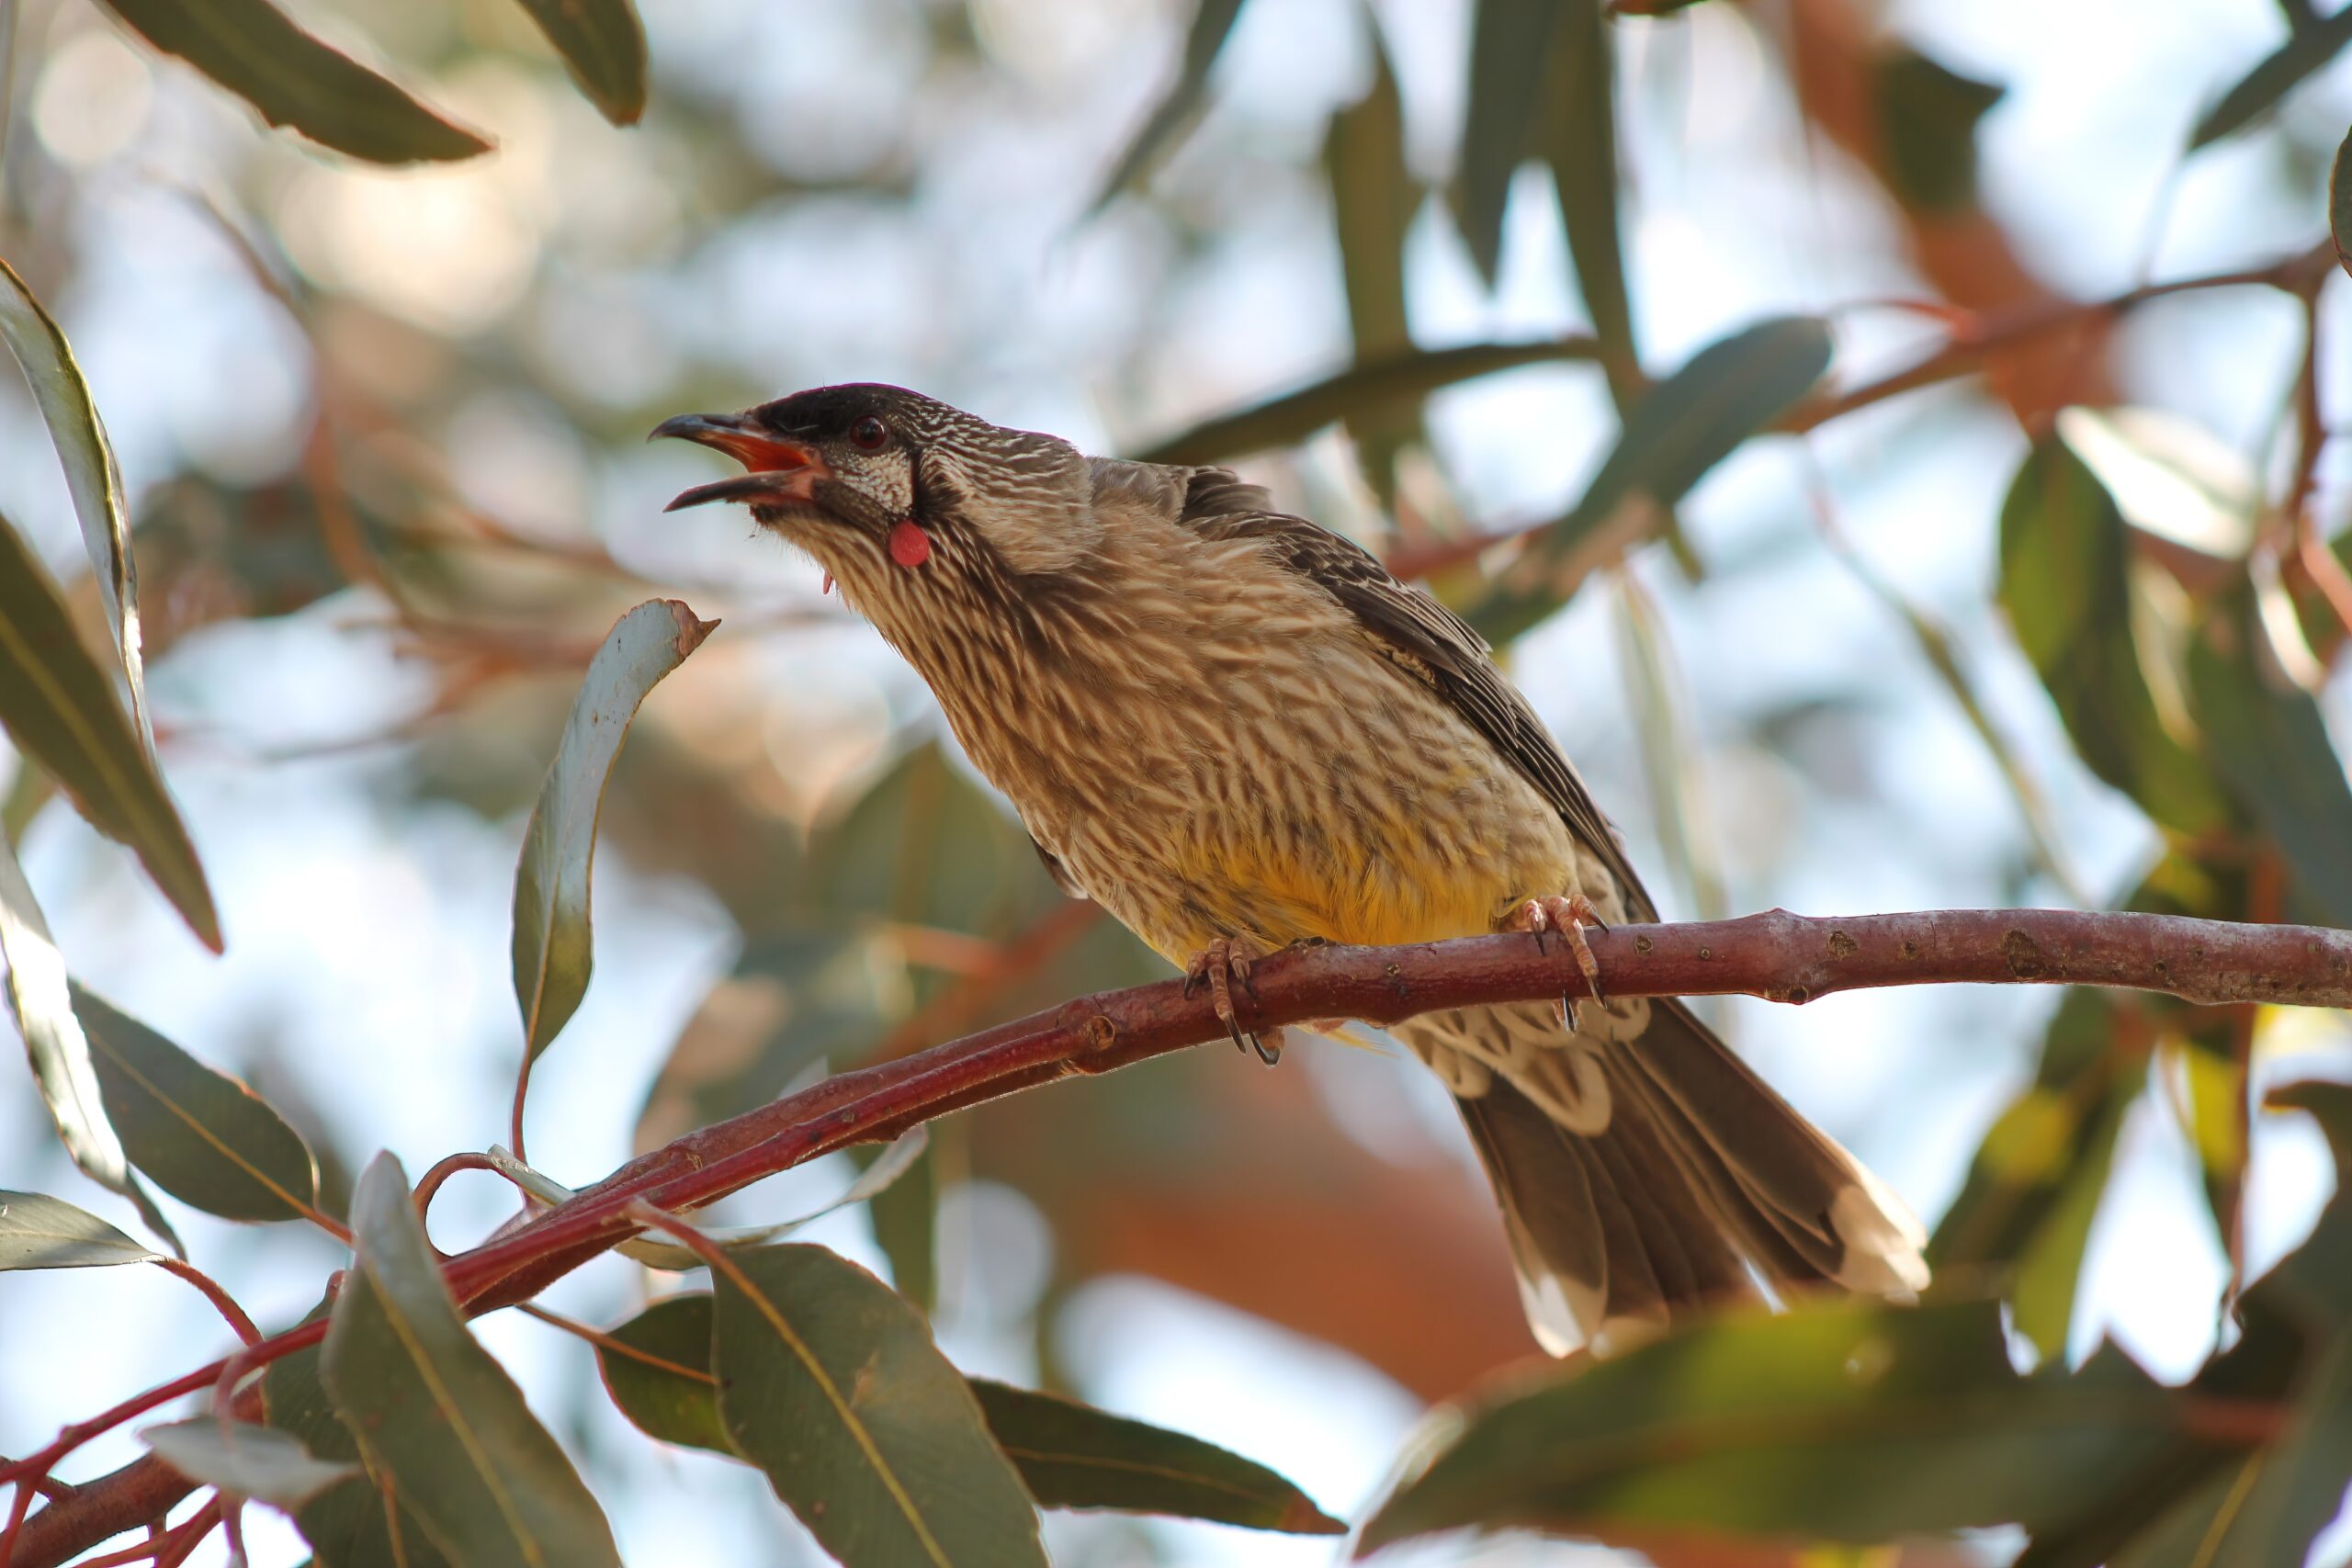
<point x="781" y="468"/>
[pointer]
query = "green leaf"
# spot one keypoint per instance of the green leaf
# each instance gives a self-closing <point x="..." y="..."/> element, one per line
<point x="1685" y="425"/>
<point x="255" y="52"/>
<point x="433" y="1411"/>
<point x="2339" y="205"/>
<point x="348" y="1524"/>
<point x="905" y="1217"/>
<point x="1580" y="143"/>
<point x="1069" y="1455"/>
<point x="60" y="708"/>
<point x="1393" y="381"/>
<point x="661" y="1381"/>
<point x="1840" y="1421"/>
<point x="828" y="1380"/>
<point x="1510" y="42"/>
<point x="1927" y="115"/>
<point x="96" y="488"/>
<point x="2273" y="78"/>
<point x="38" y="1232"/>
<point x="1374" y="199"/>
<point x="204" y="1137"/>
<point x="1074" y="1456"/>
<point x="250" y="1461"/>
<point x="43" y="997"/>
<point x="554" y="948"/>
<point x="2269" y="741"/>
<point x="2065" y="584"/>
<point x="1212" y="23"/>
<point x="602" y="44"/>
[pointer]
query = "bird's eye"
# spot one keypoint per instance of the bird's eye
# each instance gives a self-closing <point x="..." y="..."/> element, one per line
<point x="869" y="434"/>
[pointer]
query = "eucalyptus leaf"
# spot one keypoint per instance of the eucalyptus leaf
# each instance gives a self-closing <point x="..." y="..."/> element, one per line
<point x="1073" y="1456"/>
<point x="2272" y="77"/>
<point x="829" y="1383"/>
<point x="1511" y="44"/>
<point x="255" y="52"/>
<point x="204" y="1137"/>
<point x="43" y="998"/>
<point x="602" y="43"/>
<point x="91" y="479"/>
<point x="2066" y="585"/>
<point x="1374" y="200"/>
<point x="1579" y="142"/>
<point x="1069" y="1455"/>
<point x="41" y="1232"/>
<point x="1204" y="40"/>
<point x="1844" y="1421"/>
<point x="1393" y="381"/>
<point x="433" y="1411"/>
<point x="355" y="1522"/>
<point x="1683" y="426"/>
<point x="2339" y="205"/>
<point x="250" y="1461"/>
<point x="554" y="947"/>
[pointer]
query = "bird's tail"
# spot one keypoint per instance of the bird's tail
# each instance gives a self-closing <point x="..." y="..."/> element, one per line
<point x="1683" y="1180"/>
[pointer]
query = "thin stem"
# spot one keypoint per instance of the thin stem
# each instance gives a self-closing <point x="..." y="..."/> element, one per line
<point x="604" y="1342"/>
<point x="222" y="1302"/>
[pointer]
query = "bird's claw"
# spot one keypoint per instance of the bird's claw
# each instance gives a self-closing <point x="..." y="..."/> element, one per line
<point x="1222" y="964"/>
<point x="1570" y="916"/>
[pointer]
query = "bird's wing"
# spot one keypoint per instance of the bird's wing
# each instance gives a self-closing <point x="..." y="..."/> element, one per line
<point x="1429" y="642"/>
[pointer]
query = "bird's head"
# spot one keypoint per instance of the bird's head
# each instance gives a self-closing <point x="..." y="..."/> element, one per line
<point x="903" y="499"/>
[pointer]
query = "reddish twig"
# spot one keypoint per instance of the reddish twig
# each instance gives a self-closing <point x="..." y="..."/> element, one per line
<point x="222" y="1302"/>
<point x="1776" y="956"/>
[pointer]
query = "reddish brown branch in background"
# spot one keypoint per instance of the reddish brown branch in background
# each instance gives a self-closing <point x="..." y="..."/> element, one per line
<point x="1776" y="956"/>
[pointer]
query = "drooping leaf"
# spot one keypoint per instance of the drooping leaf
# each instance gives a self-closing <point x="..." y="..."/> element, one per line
<point x="1074" y="1456"/>
<point x="355" y="1522"/>
<point x="60" y="709"/>
<point x="1374" y="199"/>
<point x="1212" y="23"/>
<point x="554" y="947"/>
<point x="1839" y="1421"/>
<point x="41" y="1232"/>
<point x="253" y="1461"/>
<point x="2269" y="741"/>
<point x="1928" y="113"/>
<point x="42" y="999"/>
<point x="1395" y="381"/>
<point x="254" y="50"/>
<point x="1510" y="42"/>
<point x="204" y="1137"/>
<point x="602" y="44"/>
<point x="829" y="1383"/>
<point x="2273" y="78"/>
<point x="1682" y="428"/>
<point x="433" y="1411"/>
<point x="97" y="490"/>
<point x="1580" y="144"/>
<point x="2339" y="205"/>
<point x="904" y="1217"/>
<point x="2065" y="584"/>
<point x="1069" y="1455"/>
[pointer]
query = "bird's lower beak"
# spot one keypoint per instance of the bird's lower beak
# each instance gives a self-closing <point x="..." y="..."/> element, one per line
<point x="781" y="468"/>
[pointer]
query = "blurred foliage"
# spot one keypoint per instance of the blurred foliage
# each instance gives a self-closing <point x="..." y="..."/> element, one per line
<point x="466" y="409"/>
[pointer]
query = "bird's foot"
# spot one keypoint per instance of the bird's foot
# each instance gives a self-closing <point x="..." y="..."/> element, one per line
<point x="1569" y="916"/>
<point x="1222" y="965"/>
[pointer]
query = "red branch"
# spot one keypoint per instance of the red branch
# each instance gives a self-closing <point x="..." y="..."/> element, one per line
<point x="1776" y="956"/>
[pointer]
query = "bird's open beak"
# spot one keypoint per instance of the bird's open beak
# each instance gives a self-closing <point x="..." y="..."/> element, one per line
<point x="781" y="468"/>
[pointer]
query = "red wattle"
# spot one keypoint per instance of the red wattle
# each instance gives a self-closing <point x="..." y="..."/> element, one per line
<point x="909" y="545"/>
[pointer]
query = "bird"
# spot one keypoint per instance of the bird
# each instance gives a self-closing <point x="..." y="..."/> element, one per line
<point x="1237" y="731"/>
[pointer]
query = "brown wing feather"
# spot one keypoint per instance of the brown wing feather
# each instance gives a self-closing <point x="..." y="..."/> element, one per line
<point x="1439" y="648"/>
